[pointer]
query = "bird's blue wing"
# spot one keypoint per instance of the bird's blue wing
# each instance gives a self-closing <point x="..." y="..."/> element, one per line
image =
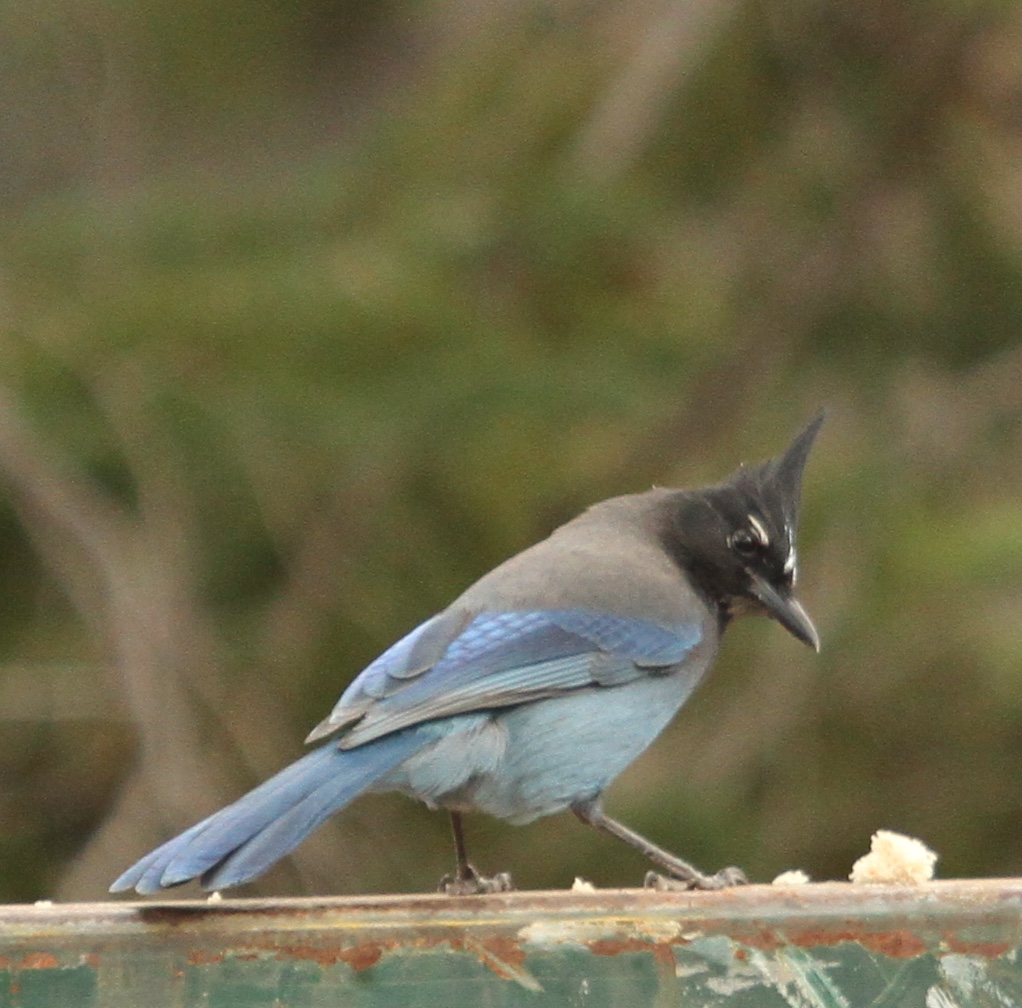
<point x="456" y="663"/>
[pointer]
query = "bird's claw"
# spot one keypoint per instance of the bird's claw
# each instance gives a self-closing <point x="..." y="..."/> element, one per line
<point x="724" y="879"/>
<point x="471" y="883"/>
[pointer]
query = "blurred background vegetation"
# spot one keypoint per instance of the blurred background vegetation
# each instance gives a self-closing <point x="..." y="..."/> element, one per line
<point x="314" y="310"/>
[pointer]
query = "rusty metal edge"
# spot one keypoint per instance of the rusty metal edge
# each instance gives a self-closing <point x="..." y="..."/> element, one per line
<point x="757" y="904"/>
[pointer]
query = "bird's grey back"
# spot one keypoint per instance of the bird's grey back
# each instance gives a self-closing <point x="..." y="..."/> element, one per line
<point x="609" y="559"/>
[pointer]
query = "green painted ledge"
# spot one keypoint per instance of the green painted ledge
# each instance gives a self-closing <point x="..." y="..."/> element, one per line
<point x="830" y="945"/>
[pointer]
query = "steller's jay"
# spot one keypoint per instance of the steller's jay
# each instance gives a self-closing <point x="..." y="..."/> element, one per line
<point x="535" y="688"/>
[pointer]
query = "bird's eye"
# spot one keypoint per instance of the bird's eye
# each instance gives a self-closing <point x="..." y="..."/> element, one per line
<point x="744" y="542"/>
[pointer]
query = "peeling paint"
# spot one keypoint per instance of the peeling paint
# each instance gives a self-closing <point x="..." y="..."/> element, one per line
<point x="936" y="998"/>
<point x="967" y="980"/>
<point x="726" y="986"/>
<point x="945" y="945"/>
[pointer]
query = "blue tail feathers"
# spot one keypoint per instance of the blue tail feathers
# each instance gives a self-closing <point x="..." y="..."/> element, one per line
<point x="242" y="840"/>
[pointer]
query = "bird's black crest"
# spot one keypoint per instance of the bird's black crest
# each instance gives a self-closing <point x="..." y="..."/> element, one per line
<point x="777" y="483"/>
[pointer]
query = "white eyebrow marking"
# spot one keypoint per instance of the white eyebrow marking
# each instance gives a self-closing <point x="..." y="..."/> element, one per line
<point x="757" y="526"/>
<point x="792" y="560"/>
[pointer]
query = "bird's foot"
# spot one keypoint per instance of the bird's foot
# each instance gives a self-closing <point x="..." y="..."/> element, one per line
<point x="471" y="883"/>
<point x="724" y="879"/>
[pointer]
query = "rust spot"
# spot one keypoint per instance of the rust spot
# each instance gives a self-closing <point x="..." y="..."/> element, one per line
<point x="893" y="944"/>
<point x="503" y="957"/>
<point x="609" y="947"/>
<point x="362" y="956"/>
<point x="200" y="957"/>
<point x="754" y="933"/>
<point x="663" y="953"/>
<point x="39" y="960"/>
<point x="311" y="953"/>
<point x="988" y="950"/>
<point x="505" y="952"/>
<point x="768" y="941"/>
<point x="358" y="957"/>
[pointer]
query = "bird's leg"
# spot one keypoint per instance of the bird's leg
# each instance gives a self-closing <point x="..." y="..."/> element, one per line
<point x="681" y="875"/>
<point x="466" y="881"/>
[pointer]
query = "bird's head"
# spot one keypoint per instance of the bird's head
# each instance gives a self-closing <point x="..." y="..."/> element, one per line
<point x="737" y="539"/>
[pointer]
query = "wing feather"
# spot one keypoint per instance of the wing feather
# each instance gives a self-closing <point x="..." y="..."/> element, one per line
<point x="459" y="662"/>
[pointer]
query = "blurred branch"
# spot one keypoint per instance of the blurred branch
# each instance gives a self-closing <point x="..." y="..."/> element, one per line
<point x="626" y="116"/>
<point x="130" y="579"/>
<point x="249" y="723"/>
<point x="118" y="577"/>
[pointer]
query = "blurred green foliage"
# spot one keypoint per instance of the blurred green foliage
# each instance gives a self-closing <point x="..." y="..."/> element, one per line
<point x="314" y="312"/>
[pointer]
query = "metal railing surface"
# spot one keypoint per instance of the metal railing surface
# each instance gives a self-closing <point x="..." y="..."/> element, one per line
<point x="829" y="945"/>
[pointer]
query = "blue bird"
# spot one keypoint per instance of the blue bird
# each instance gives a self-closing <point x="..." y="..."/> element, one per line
<point x="536" y="687"/>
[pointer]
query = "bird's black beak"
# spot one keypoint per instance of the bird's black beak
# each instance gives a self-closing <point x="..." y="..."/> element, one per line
<point x="787" y="611"/>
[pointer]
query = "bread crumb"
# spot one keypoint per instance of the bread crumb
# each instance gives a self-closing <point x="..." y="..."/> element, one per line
<point x="43" y="903"/>
<point x="582" y="885"/>
<point x="794" y="876"/>
<point x="214" y="896"/>
<point x="894" y="857"/>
